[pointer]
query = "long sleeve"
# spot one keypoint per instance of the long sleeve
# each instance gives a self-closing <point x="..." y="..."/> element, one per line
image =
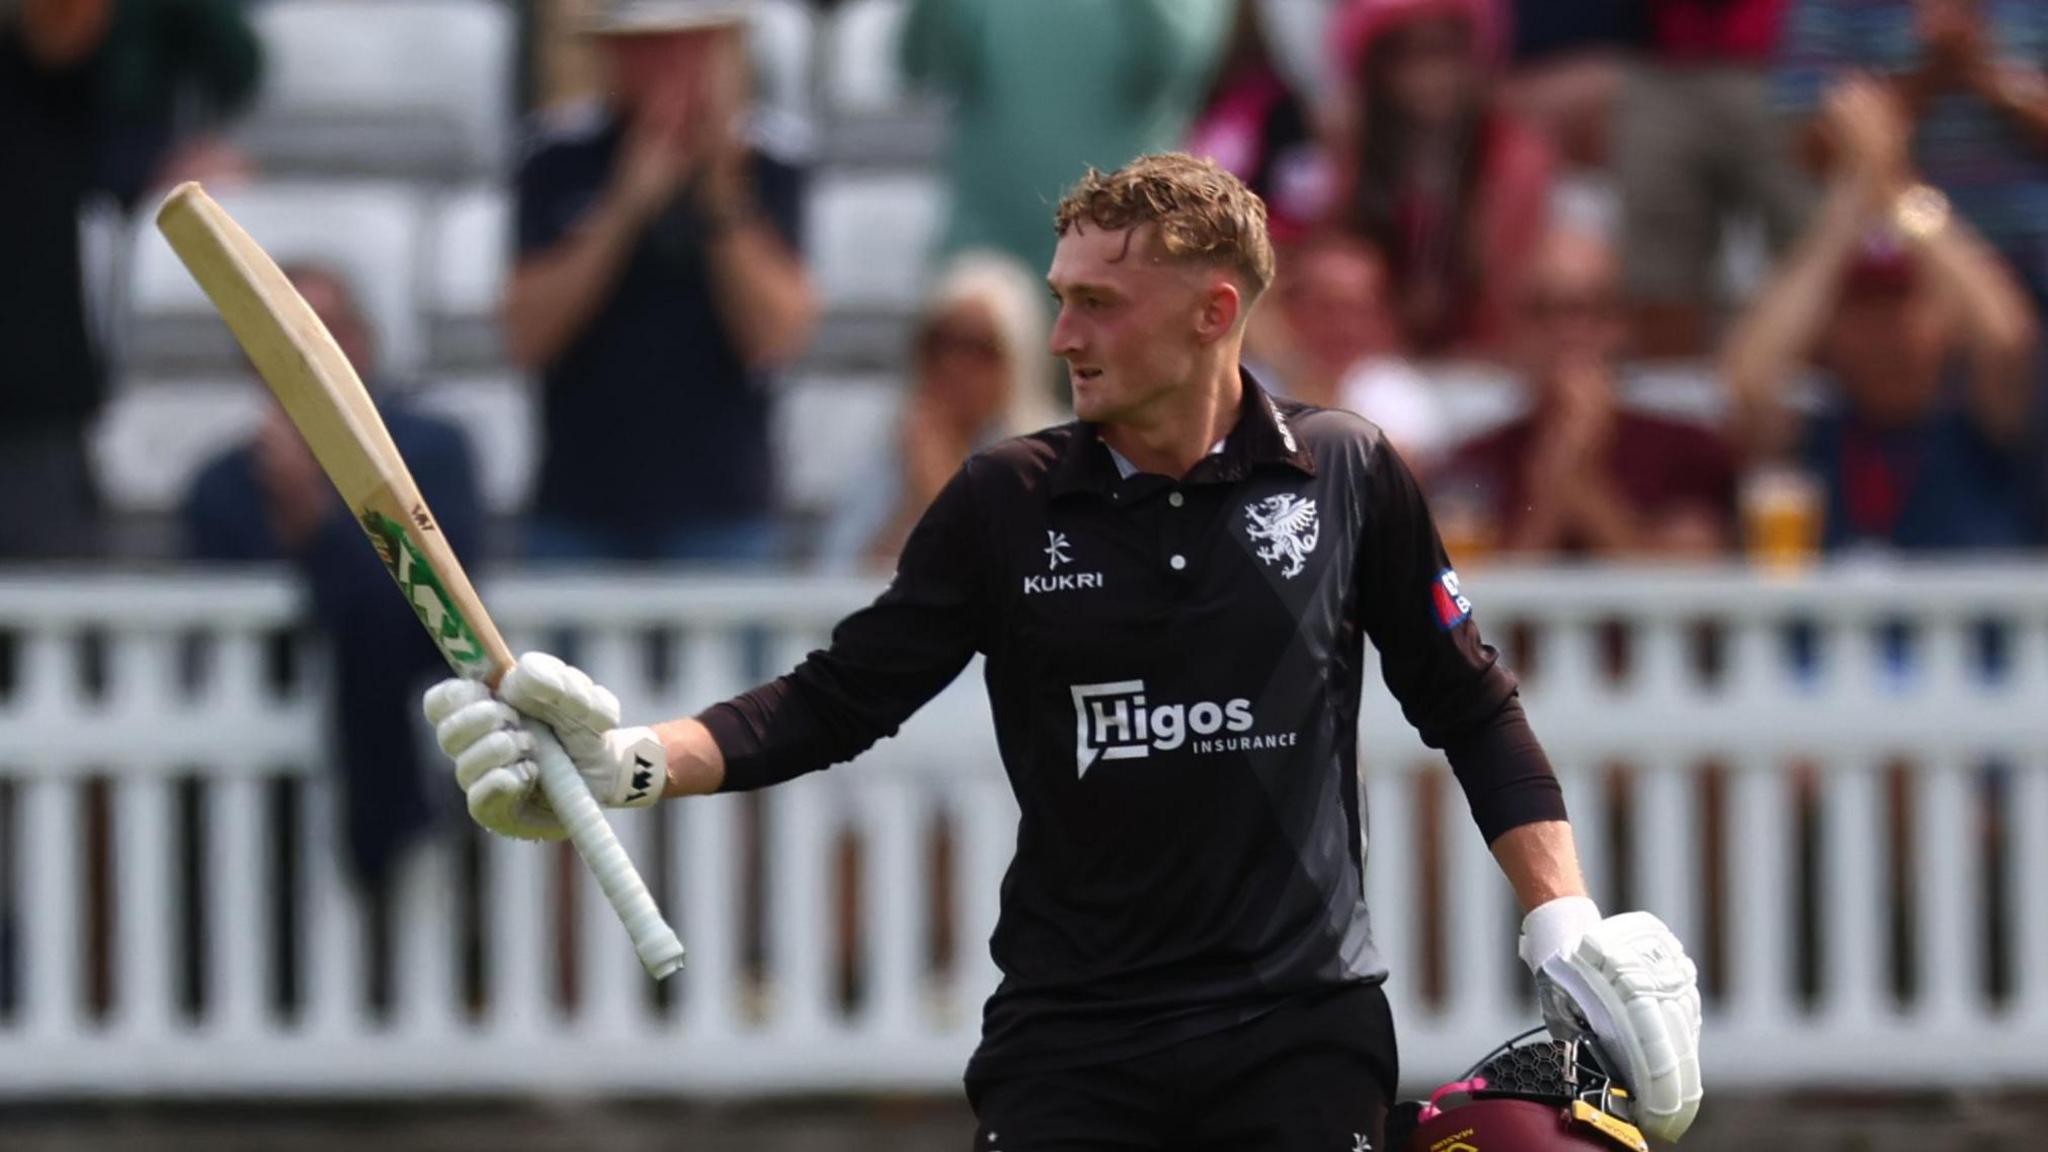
<point x="884" y="661"/>
<point x="1449" y="681"/>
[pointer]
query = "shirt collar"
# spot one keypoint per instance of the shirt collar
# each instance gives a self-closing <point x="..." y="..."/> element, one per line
<point x="1262" y="436"/>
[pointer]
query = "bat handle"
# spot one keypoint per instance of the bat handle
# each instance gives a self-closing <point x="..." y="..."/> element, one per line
<point x="660" y="952"/>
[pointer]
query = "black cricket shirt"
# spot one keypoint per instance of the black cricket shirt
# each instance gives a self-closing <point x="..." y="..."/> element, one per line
<point x="1173" y="668"/>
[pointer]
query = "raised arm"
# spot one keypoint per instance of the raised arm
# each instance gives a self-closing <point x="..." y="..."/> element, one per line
<point x="1776" y="334"/>
<point x="1991" y="311"/>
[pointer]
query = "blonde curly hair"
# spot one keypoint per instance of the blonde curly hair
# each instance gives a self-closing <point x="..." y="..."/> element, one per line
<point x="1203" y="213"/>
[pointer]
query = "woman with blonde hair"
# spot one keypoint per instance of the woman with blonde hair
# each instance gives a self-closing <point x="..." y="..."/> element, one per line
<point x="978" y="368"/>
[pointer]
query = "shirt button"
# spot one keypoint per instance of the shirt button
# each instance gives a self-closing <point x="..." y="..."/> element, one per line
<point x="1176" y="499"/>
<point x="1178" y="562"/>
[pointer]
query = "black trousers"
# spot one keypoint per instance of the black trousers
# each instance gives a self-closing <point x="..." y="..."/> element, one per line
<point x="1315" y="1075"/>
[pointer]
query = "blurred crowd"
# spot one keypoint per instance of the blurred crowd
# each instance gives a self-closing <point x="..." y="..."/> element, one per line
<point x="1826" y="219"/>
<point x="1622" y="279"/>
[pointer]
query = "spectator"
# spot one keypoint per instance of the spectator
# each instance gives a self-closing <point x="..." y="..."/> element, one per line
<point x="980" y="362"/>
<point x="1699" y="146"/>
<point x="1926" y="343"/>
<point x="1431" y="170"/>
<point x="657" y="283"/>
<point x="175" y="70"/>
<point x="1580" y="473"/>
<point x="1043" y="90"/>
<point x="1254" y="124"/>
<point x="50" y="55"/>
<point x="268" y="501"/>
<point x="1570" y="61"/>
<point x="1329" y="337"/>
<point x="1970" y="76"/>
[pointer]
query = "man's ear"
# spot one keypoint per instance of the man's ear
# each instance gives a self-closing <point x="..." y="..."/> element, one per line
<point x="1222" y="306"/>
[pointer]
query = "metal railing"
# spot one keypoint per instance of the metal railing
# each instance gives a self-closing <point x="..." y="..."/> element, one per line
<point x="1834" y="787"/>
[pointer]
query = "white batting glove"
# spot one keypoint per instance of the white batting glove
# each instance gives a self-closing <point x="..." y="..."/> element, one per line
<point x="1627" y="982"/>
<point x="488" y="739"/>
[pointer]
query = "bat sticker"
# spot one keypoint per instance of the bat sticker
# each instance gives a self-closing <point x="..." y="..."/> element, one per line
<point x="451" y="633"/>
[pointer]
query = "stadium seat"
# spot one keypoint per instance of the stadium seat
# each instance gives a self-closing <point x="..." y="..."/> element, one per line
<point x="870" y="237"/>
<point x="875" y="116"/>
<point x="499" y="415"/>
<point x="371" y="232"/>
<point x="150" y="443"/>
<point x="408" y="88"/>
<point x="827" y="429"/>
<point x="468" y="257"/>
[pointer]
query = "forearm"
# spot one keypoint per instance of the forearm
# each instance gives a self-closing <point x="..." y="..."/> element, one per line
<point x="555" y="294"/>
<point x="1541" y="861"/>
<point x="763" y="294"/>
<point x="1997" y="321"/>
<point x="1773" y="337"/>
<point x="2021" y="93"/>
<point x="696" y="766"/>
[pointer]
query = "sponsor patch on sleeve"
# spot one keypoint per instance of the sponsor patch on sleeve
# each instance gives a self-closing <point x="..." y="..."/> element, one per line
<point x="1450" y="604"/>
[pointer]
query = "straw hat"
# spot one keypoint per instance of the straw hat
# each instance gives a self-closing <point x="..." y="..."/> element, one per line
<point x="640" y="17"/>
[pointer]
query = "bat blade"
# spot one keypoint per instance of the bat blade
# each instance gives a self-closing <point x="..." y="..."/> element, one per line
<point x="317" y="386"/>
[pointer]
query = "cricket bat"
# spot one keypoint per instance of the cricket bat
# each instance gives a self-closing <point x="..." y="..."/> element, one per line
<point x="325" y="399"/>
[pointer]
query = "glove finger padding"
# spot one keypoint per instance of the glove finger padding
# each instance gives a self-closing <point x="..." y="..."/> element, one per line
<point x="507" y="801"/>
<point x="500" y="748"/>
<point x="461" y="729"/>
<point x="1630" y="981"/>
<point x="565" y="699"/>
<point x="451" y="696"/>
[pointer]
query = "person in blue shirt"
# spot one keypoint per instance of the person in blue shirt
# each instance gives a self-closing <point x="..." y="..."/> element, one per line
<point x="1926" y="342"/>
<point x="656" y="286"/>
<point x="267" y="501"/>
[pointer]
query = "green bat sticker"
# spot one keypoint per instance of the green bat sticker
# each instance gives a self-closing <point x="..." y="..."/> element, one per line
<point x="451" y="633"/>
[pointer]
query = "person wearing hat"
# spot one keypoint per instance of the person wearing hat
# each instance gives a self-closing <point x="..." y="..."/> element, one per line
<point x="657" y="283"/>
<point x="1926" y="341"/>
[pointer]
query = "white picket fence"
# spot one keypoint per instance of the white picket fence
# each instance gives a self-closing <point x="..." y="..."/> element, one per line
<point x="143" y="733"/>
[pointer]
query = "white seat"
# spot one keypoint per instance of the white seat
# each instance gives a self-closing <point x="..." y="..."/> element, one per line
<point x="870" y="236"/>
<point x="469" y="256"/>
<point x="826" y="432"/>
<point x="860" y="75"/>
<point x="369" y="232"/>
<point x="150" y="443"/>
<point x="783" y="36"/>
<point x="385" y="87"/>
<point x="499" y="415"/>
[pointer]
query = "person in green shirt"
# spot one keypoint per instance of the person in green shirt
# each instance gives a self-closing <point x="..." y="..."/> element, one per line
<point x="1042" y="91"/>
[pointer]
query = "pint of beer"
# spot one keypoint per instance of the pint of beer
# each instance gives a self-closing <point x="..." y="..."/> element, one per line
<point x="1782" y="508"/>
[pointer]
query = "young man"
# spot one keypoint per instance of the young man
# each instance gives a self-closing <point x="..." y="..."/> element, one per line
<point x="1182" y="578"/>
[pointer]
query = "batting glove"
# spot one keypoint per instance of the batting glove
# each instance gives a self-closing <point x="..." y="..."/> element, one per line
<point x="1626" y="982"/>
<point x="491" y="743"/>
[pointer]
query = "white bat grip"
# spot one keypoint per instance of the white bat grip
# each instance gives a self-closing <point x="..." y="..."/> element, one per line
<point x="661" y="953"/>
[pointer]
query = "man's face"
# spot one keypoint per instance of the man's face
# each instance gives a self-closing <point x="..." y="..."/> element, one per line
<point x="1885" y="350"/>
<point x="331" y="302"/>
<point x="663" y="68"/>
<point x="1131" y="322"/>
<point x="1570" y="306"/>
<point x="1334" y="297"/>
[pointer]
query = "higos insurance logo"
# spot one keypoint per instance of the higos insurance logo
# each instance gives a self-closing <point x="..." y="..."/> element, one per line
<point x="1115" y="721"/>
